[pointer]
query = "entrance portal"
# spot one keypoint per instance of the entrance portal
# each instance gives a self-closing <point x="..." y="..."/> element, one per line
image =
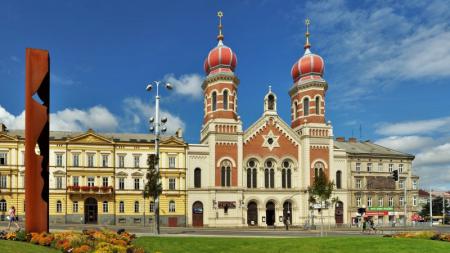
<point x="252" y="214"/>
<point x="197" y="214"/>
<point x="339" y="213"/>
<point x="270" y="213"/>
<point x="287" y="212"/>
<point x="90" y="211"/>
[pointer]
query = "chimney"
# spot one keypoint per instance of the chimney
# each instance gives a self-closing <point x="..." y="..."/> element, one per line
<point x="352" y="139"/>
<point x="340" y="139"/>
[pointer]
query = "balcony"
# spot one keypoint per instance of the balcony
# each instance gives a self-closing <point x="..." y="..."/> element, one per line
<point x="89" y="190"/>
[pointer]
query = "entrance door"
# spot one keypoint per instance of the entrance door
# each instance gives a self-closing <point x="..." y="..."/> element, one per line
<point x="287" y="212"/>
<point x="197" y="214"/>
<point x="173" y="221"/>
<point x="270" y="213"/>
<point x="90" y="211"/>
<point x="252" y="214"/>
<point x="339" y="213"/>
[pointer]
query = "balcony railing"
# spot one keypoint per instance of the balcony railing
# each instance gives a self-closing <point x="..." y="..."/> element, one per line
<point x="90" y="189"/>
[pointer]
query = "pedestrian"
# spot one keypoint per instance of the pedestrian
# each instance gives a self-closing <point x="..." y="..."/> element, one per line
<point x="13" y="217"/>
<point x="364" y="225"/>
<point x="286" y="223"/>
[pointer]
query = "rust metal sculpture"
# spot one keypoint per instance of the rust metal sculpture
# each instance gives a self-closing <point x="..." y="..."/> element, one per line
<point x="37" y="132"/>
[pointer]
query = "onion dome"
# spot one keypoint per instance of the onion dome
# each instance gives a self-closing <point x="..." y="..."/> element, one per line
<point x="309" y="66"/>
<point x="221" y="58"/>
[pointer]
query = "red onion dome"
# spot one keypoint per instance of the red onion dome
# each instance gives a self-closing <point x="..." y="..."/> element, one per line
<point x="220" y="59"/>
<point x="308" y="64"/>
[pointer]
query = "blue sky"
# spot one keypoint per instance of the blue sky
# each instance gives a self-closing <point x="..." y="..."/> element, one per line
<point x="387" y="64"/>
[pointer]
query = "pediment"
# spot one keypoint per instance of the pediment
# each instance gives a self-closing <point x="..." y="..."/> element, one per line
<point x="172" y="141"/>
<point x="5" y="137"/>
<point x="90" y="138"/>
<point x="59" y="172"/>
<point x="121" y="174"/>
<point x="137" y="174"/>
<point x="274" y="122"/>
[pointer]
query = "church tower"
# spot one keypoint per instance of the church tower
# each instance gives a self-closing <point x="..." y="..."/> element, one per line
<point x="222" y="127"/>
<point x="308" y="113"/>
<point x="309" y="88"/>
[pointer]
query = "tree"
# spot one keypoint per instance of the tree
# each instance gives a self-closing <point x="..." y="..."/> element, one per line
<point x="153" y="187"/>
<point x="320" y="191"/>
<point x="437" y="207"/>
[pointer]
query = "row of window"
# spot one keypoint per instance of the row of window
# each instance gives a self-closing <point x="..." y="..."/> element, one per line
<point x="90" y="161"/>
<point x="381" y="201"/>
<point x="306" y="107"/>
<point x="91" y="182"/>
<point x="105" y="206"/>
<point x="380" y="167"/>
<point x="225" y="100"/>
<point x="401" y="184"/>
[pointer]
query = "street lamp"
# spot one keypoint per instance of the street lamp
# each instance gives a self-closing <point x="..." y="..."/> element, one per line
<point x="157" y="126"/>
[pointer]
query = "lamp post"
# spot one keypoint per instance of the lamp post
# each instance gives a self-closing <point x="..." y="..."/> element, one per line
<point x="157" y="126"/>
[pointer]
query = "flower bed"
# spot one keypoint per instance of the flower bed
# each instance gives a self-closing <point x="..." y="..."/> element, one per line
<point x="431" y="235"/>
<point x="99" y="241"/>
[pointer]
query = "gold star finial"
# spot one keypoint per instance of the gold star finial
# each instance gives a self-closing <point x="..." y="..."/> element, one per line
<point x="307" y="23"/>
<point x="220" y="15"/>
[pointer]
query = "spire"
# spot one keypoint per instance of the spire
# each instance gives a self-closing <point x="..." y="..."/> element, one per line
<point x="220" y="36"/>
<point x="307" y="45"/>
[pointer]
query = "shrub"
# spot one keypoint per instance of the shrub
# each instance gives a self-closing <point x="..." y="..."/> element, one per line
<point x="21" y="235"/>
<point x="82" y="249"/>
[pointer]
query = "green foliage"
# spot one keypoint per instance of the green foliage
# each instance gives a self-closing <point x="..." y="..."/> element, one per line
<point x="153" y="188"/>
<point x="321" y="189"/>
<point x="437" y="207"/>
<point x="21" y="235"/>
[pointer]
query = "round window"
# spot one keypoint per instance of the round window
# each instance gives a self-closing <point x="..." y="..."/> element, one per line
<point x="251" y="163"/>
<point x="286" y="164"/>
<point x="269" y="164"/>
<point x="270" y="141"/>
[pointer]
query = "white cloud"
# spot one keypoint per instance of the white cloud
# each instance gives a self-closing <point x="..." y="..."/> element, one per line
<point x="137" y="114"/>
<point x="11" y="121"/>
<point x="62" y="80"/>
<point x="186" y="85"/>
<point x="430" y="145"/>
<point x="97" y="118"/>
<point x="383" y="43"/>
<point x="406" y="143"/>
<point x="415" y="127"/>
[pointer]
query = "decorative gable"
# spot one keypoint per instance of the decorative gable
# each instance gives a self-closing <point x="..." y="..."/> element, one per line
<point x="90" y="138"/>
<point x="5" y="137"/>
<point x="172" y="141"/>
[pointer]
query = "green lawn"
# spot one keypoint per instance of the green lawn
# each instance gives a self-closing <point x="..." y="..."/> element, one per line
<point x="286" y="245"/>
<point x="22" y="247"/>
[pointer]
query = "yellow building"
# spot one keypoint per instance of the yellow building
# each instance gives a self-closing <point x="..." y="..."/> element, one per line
<point x="98" y="177"/>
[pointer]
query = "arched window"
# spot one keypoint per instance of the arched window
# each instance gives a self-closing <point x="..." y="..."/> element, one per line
<point x="105" y="206"/>
<point x="271" y="102"/>
<point x="136" y="206"/>
<point x="286" y="181"/>
<point x="171" y="206"/>
<point x="225" y="173"/>
<point x="317" y="105"/>
<point x="3" y="206"/>
<point x="251" y="174"/>
<point x="225" y="100"/>
<point x="197" y="178"/>
<point x="121" y="207"/>
<point x="318" y="168"/>
<point x="58" y="206"/>
<point x="338" y="179"/>
<point x="214" y="101"/>
<point x="295" y="110"/>
<point x="269" y="175"/>
<point x="305" y="106"/>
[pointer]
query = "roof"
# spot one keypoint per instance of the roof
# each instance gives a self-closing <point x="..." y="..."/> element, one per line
<point x="116" y="137"/>
<point x="369" y="148"/>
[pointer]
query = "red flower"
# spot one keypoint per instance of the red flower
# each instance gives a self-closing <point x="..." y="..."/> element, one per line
<point x="85" y="188"/>
<point x="94" y="188"/>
